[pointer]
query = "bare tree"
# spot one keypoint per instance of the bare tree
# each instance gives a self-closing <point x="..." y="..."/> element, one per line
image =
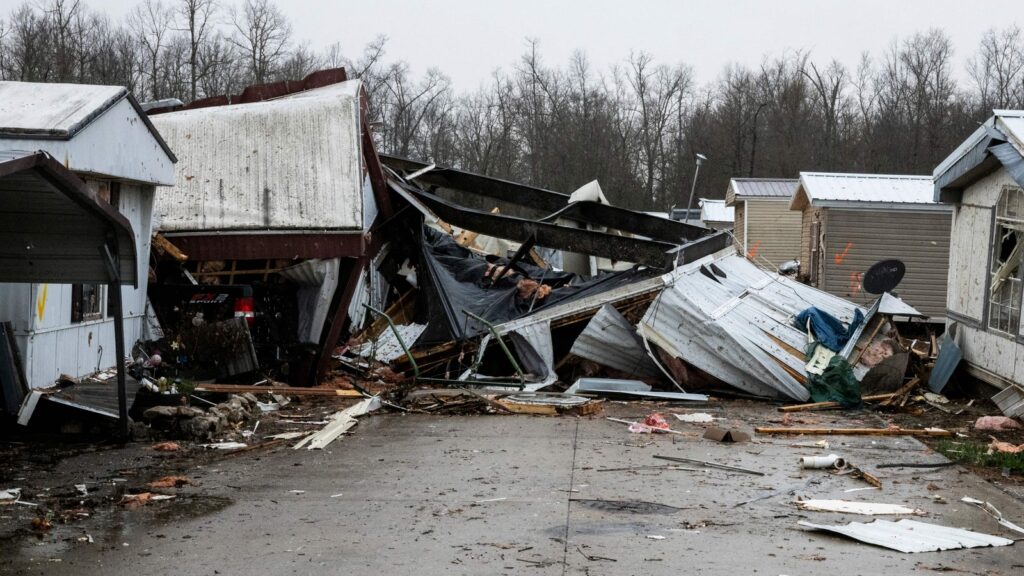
<point x="151" y="22"/>
<point x="194" y="20"/>
<point x="997" y="70"/>
<point x="263" y="33"/>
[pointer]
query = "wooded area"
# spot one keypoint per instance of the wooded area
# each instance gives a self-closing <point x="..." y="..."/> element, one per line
<point x="634" y="126"/>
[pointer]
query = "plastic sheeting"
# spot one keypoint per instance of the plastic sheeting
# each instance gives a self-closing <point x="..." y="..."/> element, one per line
<point x="317" y="280"/>
<point x="453" y="279"/>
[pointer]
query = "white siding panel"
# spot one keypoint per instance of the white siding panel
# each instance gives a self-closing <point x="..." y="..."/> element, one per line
<point x="290" y="163"/>
<point x="999" y="355"/>
<point x="51" y="306"/>
<point x="117" y="144"/>
<point x="968" y="261"/>
<point x="15" y="304"/>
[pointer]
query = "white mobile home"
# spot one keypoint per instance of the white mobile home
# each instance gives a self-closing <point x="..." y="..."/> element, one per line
<point x="100" y="134"/>
<point x="984" y="181"/>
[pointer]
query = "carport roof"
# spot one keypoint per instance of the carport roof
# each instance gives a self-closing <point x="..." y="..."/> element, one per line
<point x="54" y="229"/>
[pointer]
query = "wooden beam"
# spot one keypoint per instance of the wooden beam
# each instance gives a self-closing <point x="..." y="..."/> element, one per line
<point x="825" y="405"/>
<point x="857" y="431"/>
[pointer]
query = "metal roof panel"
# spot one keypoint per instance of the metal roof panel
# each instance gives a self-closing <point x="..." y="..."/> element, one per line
<point x="881" y="188"/>
<point x="764" y="187"/>
<point x="52" y="110"/>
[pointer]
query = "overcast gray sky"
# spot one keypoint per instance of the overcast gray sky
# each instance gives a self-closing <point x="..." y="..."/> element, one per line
<point x="468" y="39"/>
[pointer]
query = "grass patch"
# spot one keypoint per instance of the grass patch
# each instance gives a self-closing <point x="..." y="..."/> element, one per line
<point x="976" y="454"/>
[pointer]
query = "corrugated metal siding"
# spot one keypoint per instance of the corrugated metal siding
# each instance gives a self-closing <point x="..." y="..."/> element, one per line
<point x="738" y="326"/>
<point x="739" y="230"/>
<point x="856" y="239"/>
<point x="910" y="536"/>
<point x="287" y="164"/>
<point x="764" y="187"/>
<point x="773" y="232"/>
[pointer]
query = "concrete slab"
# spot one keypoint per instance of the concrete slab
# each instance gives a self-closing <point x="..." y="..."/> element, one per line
<point x="508" y="495"/>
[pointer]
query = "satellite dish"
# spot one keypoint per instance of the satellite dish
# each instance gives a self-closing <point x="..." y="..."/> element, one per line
<point x="883" y="276"/>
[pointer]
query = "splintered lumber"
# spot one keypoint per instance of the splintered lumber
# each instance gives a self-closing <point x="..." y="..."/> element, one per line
<point x="903" y="392"/>
<point x="164" y="246"/>
<point x="283" y="390"/>
<point x="825" y="405"/>
<point x="857" y="431"/>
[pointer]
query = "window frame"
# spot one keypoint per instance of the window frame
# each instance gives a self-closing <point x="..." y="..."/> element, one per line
<point x="1005" y="298"/>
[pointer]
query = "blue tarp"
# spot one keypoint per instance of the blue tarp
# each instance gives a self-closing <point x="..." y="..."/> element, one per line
<point x="828" y="330"/>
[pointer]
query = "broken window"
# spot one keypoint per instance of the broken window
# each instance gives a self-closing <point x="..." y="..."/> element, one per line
<point x="86" y="302"/>
<point x="1007" y="263"/>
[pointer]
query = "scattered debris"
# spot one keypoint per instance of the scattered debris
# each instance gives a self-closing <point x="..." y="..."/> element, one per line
<point x="865" y="508"/>
<point x="996" y="423"/>
<point x="546" y="404"/>
<point x="630" y="506"/>
<point x="830" y="405"/>
<point x="341" y="422"/>
<point x="1000" y="446"/>
<point x="283" y="390"/>
<point x="166" y="446"/>
<point x="993" y="512"/>
<point x="708" y="464"/>
<point x="143" y="498"/>
<point x="893" y="431"/>
<point x="171" y="482"/>
<point x="642" y="427"/>
<point x="830" y="461"/>
<point x="1010" y="400"/>
<point x="225" y="445"/>
<point x="695" y="418"/>
<point x="726" y="435"/>
<point x="289" y="435"/>
<point x="10" y="495"/>
<point x="629" y="389"/>
<point x="911" y="536"/>
<point x="594" y="558"/>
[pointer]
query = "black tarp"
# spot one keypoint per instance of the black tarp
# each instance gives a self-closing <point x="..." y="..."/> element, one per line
<point x="452" y="280"/>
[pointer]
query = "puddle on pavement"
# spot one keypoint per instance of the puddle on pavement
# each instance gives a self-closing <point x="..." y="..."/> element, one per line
<point x="187" y="507"/>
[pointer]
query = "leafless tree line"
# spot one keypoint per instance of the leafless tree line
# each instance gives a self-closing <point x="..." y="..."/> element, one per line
<point x="634" y="126"/>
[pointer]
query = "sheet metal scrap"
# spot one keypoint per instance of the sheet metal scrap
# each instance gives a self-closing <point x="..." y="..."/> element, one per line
<point x="730" y="318"/>
<point x="911" y="536"/>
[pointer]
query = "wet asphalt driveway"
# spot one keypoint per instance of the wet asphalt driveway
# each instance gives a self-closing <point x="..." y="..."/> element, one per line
<point x="528" y="495"/>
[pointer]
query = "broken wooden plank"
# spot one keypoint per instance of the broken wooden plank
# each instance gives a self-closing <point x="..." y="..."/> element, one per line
<point x="857" y="431"/>
<point x="285" y="390"/>
<point x="903" y="392"/>
<point x="825" y="405"/>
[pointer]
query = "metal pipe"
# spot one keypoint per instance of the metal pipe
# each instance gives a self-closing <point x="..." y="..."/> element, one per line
<point x="504" y="348"/>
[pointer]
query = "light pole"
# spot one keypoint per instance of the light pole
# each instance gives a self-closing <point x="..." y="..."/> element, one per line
<point x="700" y="158"/>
